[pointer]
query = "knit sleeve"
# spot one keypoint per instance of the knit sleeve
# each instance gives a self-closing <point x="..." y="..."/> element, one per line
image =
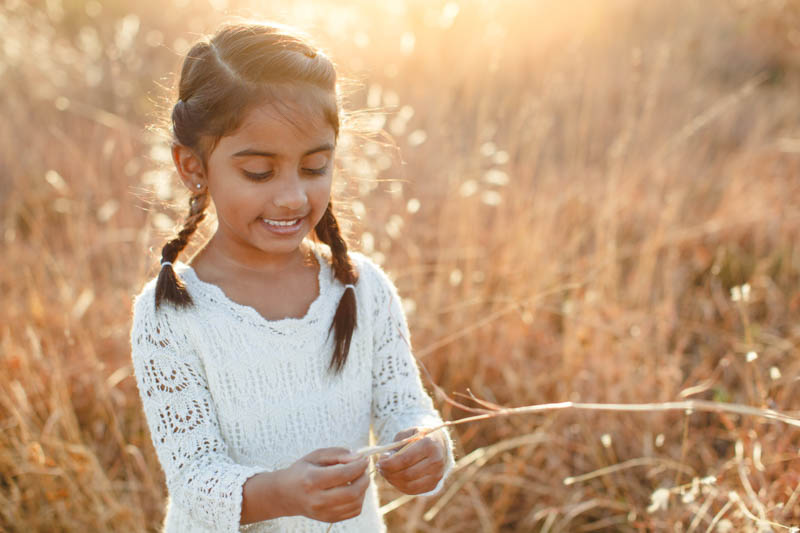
<point x="399" y="400"/>
<point x="201" y="477"/>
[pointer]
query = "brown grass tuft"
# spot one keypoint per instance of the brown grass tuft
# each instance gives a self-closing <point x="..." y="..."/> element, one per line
<point x="580" y="187"/>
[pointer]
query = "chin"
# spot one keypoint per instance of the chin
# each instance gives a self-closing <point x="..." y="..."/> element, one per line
<point x="280" y="246"/>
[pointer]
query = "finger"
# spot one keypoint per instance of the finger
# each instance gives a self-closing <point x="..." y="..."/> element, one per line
<point x="424" y="484"/>
<point x="340" y="474"/>
<point x="413" y="454"/>
<point x="330" y="456"/>
<point x="348" y="493"/>
<point x="426" y="467"/>
<point x="405" y="434"/>
<point x="345" y="512"/>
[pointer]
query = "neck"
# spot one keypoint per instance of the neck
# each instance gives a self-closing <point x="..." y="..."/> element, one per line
<point x="254" y="263"/>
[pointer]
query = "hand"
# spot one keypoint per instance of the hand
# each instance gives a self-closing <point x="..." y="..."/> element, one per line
<point x="419" y="467"/>
<point x="327" y="485"/>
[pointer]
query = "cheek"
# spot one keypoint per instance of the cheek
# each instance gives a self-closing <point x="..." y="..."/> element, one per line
<point x="237" y="202"/>
<point x="320" y="191"/>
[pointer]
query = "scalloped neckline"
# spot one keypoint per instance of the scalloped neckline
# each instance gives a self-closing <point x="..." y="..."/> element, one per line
<point x="216" y="291"/>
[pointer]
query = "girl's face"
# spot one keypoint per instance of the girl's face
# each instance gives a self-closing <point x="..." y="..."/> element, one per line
<point x="271" y="181"/>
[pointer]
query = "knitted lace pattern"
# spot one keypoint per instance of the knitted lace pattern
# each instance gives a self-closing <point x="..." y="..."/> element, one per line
<point x="228" y="394"/>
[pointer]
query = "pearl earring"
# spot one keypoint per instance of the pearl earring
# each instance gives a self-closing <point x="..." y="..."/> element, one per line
<point x="199" y="185"/>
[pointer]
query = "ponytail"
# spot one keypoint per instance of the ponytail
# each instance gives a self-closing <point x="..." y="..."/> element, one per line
<point x="169" y="286"/>
<point x="344" y="321"/>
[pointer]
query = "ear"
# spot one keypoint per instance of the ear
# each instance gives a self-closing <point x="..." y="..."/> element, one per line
<point x="189" y="167"/>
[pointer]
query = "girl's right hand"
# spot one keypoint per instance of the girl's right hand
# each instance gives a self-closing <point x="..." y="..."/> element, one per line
<point x="327" y="485"/>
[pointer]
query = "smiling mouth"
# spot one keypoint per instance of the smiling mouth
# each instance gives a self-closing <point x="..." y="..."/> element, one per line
<point x="281" y="223"/>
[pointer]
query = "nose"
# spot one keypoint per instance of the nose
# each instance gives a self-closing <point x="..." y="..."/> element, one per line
<point x="291" y="194"/>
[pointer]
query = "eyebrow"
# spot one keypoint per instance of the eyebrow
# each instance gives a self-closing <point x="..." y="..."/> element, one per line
<point x="251" y="151"/>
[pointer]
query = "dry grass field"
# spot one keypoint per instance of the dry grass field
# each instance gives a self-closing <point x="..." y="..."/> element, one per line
<point x="579" y="200"/>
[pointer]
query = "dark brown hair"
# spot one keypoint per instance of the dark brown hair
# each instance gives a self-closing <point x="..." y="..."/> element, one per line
<point x="243" y="65"/>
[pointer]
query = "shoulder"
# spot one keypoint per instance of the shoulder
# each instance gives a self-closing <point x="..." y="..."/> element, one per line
<point x="147" y="319"/>
<point x="370" y="274"/>
<point x="144" y="303"/>
<point x="376" y="289"/>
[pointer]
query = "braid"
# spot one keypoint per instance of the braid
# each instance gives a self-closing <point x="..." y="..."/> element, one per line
<point x="344" y="321"/>
<point x="169" y="286"/>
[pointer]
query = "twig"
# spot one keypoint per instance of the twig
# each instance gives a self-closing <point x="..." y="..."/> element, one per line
<point x="734" y="497"/>
<point x="686" y="405"/>
<point x="701" y="513"/>
<point x="474" y="462"/>
<point x="515" y="306"/>
<point x="402" y="444"/>
<point x="631" y="463"/>
<point x="718" y="516"/>
<point x="713" y="112"/>
<point x="684" y="446"/>
<point x="691" y="405"/>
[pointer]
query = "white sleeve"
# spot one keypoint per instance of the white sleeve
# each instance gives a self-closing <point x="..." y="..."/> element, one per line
<point x="399" y="400"/>
<point x="201" y="477"/>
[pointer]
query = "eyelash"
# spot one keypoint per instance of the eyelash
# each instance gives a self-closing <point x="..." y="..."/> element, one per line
<point x="263" y="176"/>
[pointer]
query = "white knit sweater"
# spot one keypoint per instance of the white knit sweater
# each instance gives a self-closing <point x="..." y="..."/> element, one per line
<point x="228" y="394"/>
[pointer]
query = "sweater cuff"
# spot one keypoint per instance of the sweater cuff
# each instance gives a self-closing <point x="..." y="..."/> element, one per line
<point x="218" y="504"/>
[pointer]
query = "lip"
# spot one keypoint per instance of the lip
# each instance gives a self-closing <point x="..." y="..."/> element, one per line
<point x="284" y="219"/>
<point x="283" y="230"/>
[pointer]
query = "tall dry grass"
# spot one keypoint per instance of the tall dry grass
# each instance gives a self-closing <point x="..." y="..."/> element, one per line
<point x="580" y="189"/>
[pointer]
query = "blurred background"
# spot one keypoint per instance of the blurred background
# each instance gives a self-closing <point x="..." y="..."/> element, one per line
<point x="587" y="200"/>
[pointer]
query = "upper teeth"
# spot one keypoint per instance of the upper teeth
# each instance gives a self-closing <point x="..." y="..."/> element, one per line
<point x="281" y="222"/>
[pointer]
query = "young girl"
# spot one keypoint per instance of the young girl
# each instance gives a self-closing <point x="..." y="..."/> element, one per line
<point x="265" y="362"/>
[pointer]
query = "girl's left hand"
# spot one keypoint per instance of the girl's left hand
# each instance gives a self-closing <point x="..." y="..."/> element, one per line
<point x="419" y="467"/>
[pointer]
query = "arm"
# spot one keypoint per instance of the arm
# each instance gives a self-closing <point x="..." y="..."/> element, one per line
<point x="201" y="477"/>
<point x="261" y="498"/>
<point x="400" y="402"/>
<point x="327" y="484"/>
